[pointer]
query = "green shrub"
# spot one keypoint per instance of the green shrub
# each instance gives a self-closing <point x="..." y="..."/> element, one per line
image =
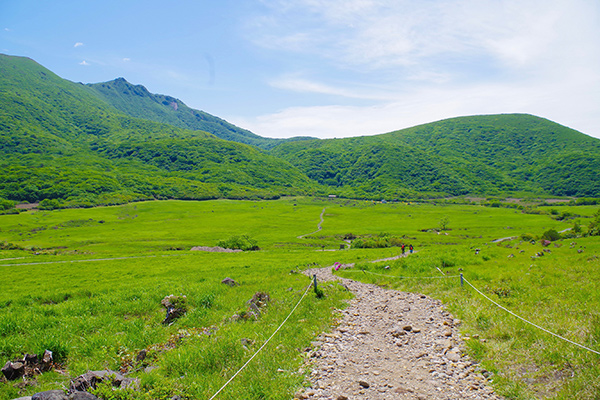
<point x="528" y="237"/>
<point x="49" y="204"/>
<point x="6" y="204"/>
<point x="551" y="235"/>
<point x="239" y="242"/>
<point x="381" y="241"/>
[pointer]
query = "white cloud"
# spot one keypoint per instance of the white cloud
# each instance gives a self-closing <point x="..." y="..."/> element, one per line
<point x="377" y="34"/>
<point x="126" y="59"/>
<point x="297" y="83"/>
<point x="84" y="63"/>
<point x="431" y="104"/>
<point x="416" y="62"/>
<point x="78" y="44"/>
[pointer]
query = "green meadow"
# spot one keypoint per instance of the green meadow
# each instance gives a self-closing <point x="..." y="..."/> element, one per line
<point x="87" y="284"/>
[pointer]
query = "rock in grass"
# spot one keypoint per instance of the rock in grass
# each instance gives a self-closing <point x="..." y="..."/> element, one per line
<point x="260" y="299"/>
<point x="141" y="355"/>
<point x="82" y="396"/>
<point x="47" y="360"/>
<point x="50" y="395"/>
<point x="229" y="282"/>
<point x="13" y="370"/>
<point x="30" y="359"/>
<point x="91" y="378"/>
<point x="176" y="307"/>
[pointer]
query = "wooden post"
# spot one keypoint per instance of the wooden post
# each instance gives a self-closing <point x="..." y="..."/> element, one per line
<point x="461" y="280"/>
<point x="315" y="284"/>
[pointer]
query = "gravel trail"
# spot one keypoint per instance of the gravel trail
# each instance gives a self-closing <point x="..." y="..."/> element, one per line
<point x="392" y="345"/>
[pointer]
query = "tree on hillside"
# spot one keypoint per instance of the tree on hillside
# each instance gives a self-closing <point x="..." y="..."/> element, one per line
<point x="594" y="226"/>
<point x="444" y="223"/>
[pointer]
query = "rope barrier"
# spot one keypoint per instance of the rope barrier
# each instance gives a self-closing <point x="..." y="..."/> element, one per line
<point x="88" y="260"/>
<point x="529" y="322"/>
<point x="264" y="344"/>
<point x="405" y="277"/>
<point x="489" y="299"/>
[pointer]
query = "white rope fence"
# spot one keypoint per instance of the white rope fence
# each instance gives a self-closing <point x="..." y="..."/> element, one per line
<point x="87" y="260"/>
<point x="404" y="277"/>
<point x="529" y="322"/>
<point x="489" y="299"/>
<point x="264" y="344"/>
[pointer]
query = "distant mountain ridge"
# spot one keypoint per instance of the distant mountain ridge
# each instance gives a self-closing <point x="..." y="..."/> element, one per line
<point x="60" y="140"/>
<point x="136" y="101"/>
<point x="488" y="154"/>
<point x="115" y="142"/>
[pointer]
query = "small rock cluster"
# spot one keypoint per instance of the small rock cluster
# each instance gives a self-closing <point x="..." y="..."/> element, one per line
<point x="79" y="386"/>
<point x="392" y="345"/>
<point x="29" y="366"/>
<point x="92" y="378"/>
<point x="176" y="307"/>
<point x="255" y="306"/>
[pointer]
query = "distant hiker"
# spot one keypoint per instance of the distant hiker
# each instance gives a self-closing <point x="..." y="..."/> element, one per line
<point x="411" y="248"/>
<point x="403" y="245"/>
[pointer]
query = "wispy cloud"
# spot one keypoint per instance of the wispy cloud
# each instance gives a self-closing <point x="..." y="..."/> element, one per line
<point x="379" y="34"/>
<point x="422" y="105"/>
<point x="85" y="63"/>
<point x="300" y="84"/>
<point x="78" y="44"/>
<point x="418" y="61"/>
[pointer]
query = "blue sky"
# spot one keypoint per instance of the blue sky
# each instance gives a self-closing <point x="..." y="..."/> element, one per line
<point x="328" y="68"/>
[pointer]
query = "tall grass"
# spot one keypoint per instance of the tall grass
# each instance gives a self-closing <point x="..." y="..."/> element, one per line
<point x="88" y="285"/>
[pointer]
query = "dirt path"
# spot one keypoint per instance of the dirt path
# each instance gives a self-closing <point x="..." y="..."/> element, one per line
<point x="319" y="227"/>
<point x="392" y="345"/>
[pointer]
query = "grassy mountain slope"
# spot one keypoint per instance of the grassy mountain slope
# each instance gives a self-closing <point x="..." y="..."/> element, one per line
<point x="59" y="139"/>
<point x="62" y="140"/>
<point x="138" y="102"/>
<point x="467" y="155"/>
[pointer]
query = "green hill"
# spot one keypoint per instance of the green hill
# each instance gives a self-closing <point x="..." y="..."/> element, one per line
<point x="60" y="140"/>
<point x="479" y="155"/>
<point x="136" y="101"/>
<point x="79" y="144"/>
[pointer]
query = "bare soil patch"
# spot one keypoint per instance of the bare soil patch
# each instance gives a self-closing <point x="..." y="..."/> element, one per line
<point x="215" y="249"/>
